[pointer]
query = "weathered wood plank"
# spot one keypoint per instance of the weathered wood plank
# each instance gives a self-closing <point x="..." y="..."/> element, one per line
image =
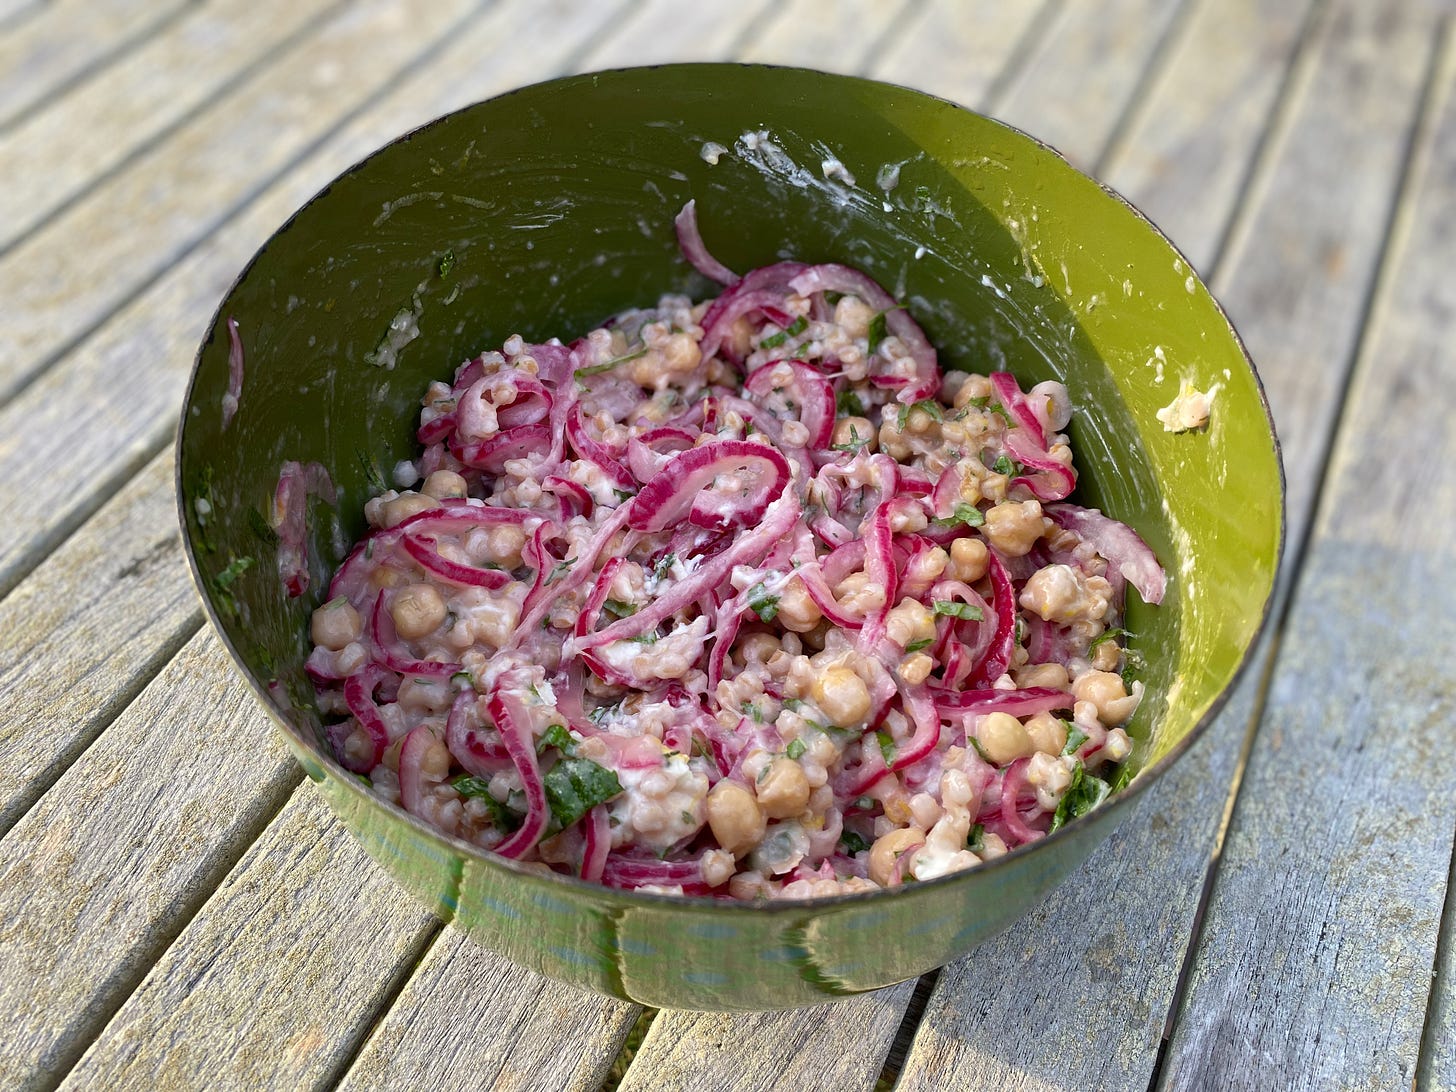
<point x="1191" y="144"/>
<point x="833" y="35"/>
<point x="87" y="631"/>
<point x="959" y="49"/>
<point x="291" y="921"/>
<point x="1084" y="71"/>
<point x="669" y="32"/>
<point x="841" y="1046"/>
<point x="468" y="1011"/>
<point x="152" y="339"/>
<point x="1436" y="1070"/>
<point x="1118" y="955"/>
<point x="62" y="281"/>
<point x="70" y="40"/>
<point x="1320" y="936"/>
<point x="107" y="868"/>
<point x="183" y="66"/>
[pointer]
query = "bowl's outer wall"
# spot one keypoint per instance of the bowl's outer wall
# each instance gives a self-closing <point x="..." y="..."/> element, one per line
<point x="543" y="211"/>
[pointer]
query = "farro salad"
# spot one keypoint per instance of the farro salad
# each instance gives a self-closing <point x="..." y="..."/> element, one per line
<point x="740" y="598"/>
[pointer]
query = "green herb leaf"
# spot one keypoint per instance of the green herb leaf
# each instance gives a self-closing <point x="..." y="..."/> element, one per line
<point x="560" y="569"/>
<point x="1075" y="738"/>
<point x="876" y="332"/>
<point x="618" y="609"/>
<point x="576" y="785"/>
<point x="446" y="263"/>
<point x="1112" y="633"/>
<point x="965" y="513"/>
<point x="664" y="565"/>
<point x="976" y="743"/>
<point x="929" y="405"/>
<point x="372" y="474"/>
<point x="556" y="736"/>
<point x="969" y="611"/>
<point x="235" y="569"/>
<point x="502" y="817"/>
<point x="1124" y="775"/>
<point x="1003" y="465"/>
<point x="887" y="746"/>
<point x="849" y="404"/>
<point x="601" y="712"/>
<point x="1082" y="795"/>
<point x="916" y="646"/>
<point x="761" y="603"/>
<point x="1002" y="412"/>
<point x="794" y="329"/>
<point x="265" y="534"/>
<point x="608" y="365"/>
<point x="623" y="495"/>
<point x="865" y="803"/>
<point x="976" y="839"/>
<point x="853" y="843"/>
<point x="795" y="749"/>
<point x="462" y="676"/>
<point x="748" y="709"/>
<point x="855" y="444"/>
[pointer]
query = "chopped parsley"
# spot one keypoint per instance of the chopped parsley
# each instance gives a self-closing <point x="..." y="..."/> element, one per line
<point x="849" y="403"/>
<point x="560" y="569"/>
<point x="855" y="444"/>
<point x="853" y="843"/>
<point x="608" y="365"/>
<point x="576" y="785"/>
<point x="762" y="604"/>
<point x="794" y="329"/>
<point x="929" y="405"/>
<point x="476" y="788"/>
<point x="462" y="677"/>
<point x="556" y="736"/>
<point x="887" y="746"/>
<point x="1082" y="795"/>
<point x="976" y="839"/>
<point x="1124" y="775"/>
<point x="664" y="565"/>
<point x="601" y="712"/>
<point x="446" y="263"/>
<point x="1075" y="738"/>
<point x="222" y="584"/>
<point x="265" y="534"/>
<point x="1003" y="465"/>
<point x="618" y="609"/>
<point x="795" y="749"/>
<point x="965" y="513"/>
<point x="372" y="474"/>
<point x="916" y="646"/>
<point x="976" y="743"/>
<point x="969" y="611"/>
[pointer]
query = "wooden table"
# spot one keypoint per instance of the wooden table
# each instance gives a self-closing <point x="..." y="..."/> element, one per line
<point x="178" y="911"/>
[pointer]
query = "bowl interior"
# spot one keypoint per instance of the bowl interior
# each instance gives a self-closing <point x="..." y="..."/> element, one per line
<point x="543" y="211"/>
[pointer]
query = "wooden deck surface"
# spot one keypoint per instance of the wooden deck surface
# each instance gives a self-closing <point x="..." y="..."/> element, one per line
<point x="178" y="910"/>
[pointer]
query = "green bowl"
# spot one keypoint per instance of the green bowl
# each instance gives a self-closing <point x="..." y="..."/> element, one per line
<point x="541" y="212"/>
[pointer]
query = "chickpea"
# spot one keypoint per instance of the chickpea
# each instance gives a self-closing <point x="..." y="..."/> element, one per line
<point x="734" y="817"/>
<point x="918" y="423"/>
<point x="335" y="624"/>
<point x="1106" y="656"/>
<point x="1052" y="676"/>
<point x="758" y="648"/>
<point x="842" y="695"/>
<point x="856" y="594"/>
<point x="915" y="668"/>
<point x="444" y="483"/>
<point x="797" y="611"/>
<point x="1014" y="528"/>
<point x="406" y="505"/>
<point x="971" y="388"/>
<point x="969" y="560"/>
<point x="1105" y="690"/>
<point x="1003" y="739"/>
<point x="909" y="622"/>
<point x="1048" y="734"/>
<point x="783" y="790"/>
<point x="853" y="315"/>
<point x="504" y="545"/>
<point x="887" y="850"/>
<point x="855" y="430"/>
<point x="417" y="610"/>
<point x="680" y="353"/>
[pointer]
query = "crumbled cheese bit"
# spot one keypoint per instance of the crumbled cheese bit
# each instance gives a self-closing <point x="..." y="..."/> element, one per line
<point x="1188" y="411"/>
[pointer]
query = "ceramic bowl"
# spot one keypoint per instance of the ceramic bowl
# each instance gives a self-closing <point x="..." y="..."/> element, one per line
<point x="541" y="212"/>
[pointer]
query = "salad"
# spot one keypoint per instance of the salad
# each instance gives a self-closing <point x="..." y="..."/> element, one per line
<point x="742" y="598"/>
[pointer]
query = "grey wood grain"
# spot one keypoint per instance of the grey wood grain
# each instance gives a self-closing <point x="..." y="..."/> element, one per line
<point x="1118" y="955"/>
<point x="466" y="1011"/>
<point x="68" y="41"/>
<point x="1320" y="936"/>
<point x="278" y="977"/>
<point x="1189" y="148"/>
<point x="99" y="876"/>
<point x="1084" y="69"/>
<point x="151" y="340"/>
<point x="842" y="1046"/>
<point x="184" y="65"/>
<point x="87" y="631"/>
<point x="834" y="35"/>
<point x="669" y="32"/>
<point x="63" y="280"/>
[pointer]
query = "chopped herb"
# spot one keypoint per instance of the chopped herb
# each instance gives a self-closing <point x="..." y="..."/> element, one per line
<point x="794" y="329"/>
<point x="793" y="705"/>
<point x="556" y="736"/>
<point x="887" y="746"/>
<point x="462" y="676"/>
<point x="648" y="638"/>
<point x="560" y="569"/>
<point x="265" y="534"/>
<point x="608" y="365"/>
<point x="618" y="609"/>
<point x="446" y="263"/>
<point x="1112" y="633"/>
<point x="876" y="332"/>
<point x="969" y="611"/>
<point x="976" y="839"/>
<point x="1001" y="411"/>
<point x="1075" y="738"/>
<point x="502" y="817"/>
<point x="832" y="298"/>
<point x="1020" y="630"/>
<point x="601" y="712"/>
<point x="688" y="818"/>
<point x="965" y="513"/>
<point x="916" y="646"/>
<point x="664" y="564"/>
<point x="1124" y="775"/>
<point x="1082" y="795"/>
<point x="1004" y="466"/>
<point x="855" y="444"/>
<point x="235" y="569"/>
<point x="853" y="843"/>
<point x="795" y="749"/>
<point x="929" y="405"/>
<point x="762" y="604"/>
<point x="623" y="495"/>
<point x="976" y="743"/>
<point x="748" y="709"/>
<point x="849" y="403"/>
<point x="372" y="475"/>
<point x="576" y="785"/>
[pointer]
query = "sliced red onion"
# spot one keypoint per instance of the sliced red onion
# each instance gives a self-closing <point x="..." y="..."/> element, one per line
<point x="426" y="551"/>
<point x="690" y="241"/>
<point x="513" y="720"/>
<point x="767" y="286"/>
<point x="1019" y="703"/>
<point x="1013" y="781"/>
<point x="593" y="451"/>
<point x="689" y="486"/>
<point x="1008" y="391"/>
<point x="232" y="397"/>
<point x="481" y="756"/>
<point x="1119" y="544"/>
<point x="413" y="784"/>
<point x="493" y="454"/>
<point x="790" y="390"/>
<point x="993" y="664"/>
<point x="598" y="844"/>
<point x="359" y="697"/>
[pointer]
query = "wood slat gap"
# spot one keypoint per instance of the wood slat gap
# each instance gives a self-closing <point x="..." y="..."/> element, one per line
<point x="1021" y="55"/>
<point x="19" y="13"/>
<point x="909" y="1023"/>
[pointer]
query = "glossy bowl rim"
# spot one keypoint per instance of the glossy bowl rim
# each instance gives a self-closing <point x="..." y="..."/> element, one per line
<point x="1114" y="809"/>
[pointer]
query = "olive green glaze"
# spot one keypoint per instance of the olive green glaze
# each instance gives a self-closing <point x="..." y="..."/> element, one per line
<point x="554" y="206"/>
